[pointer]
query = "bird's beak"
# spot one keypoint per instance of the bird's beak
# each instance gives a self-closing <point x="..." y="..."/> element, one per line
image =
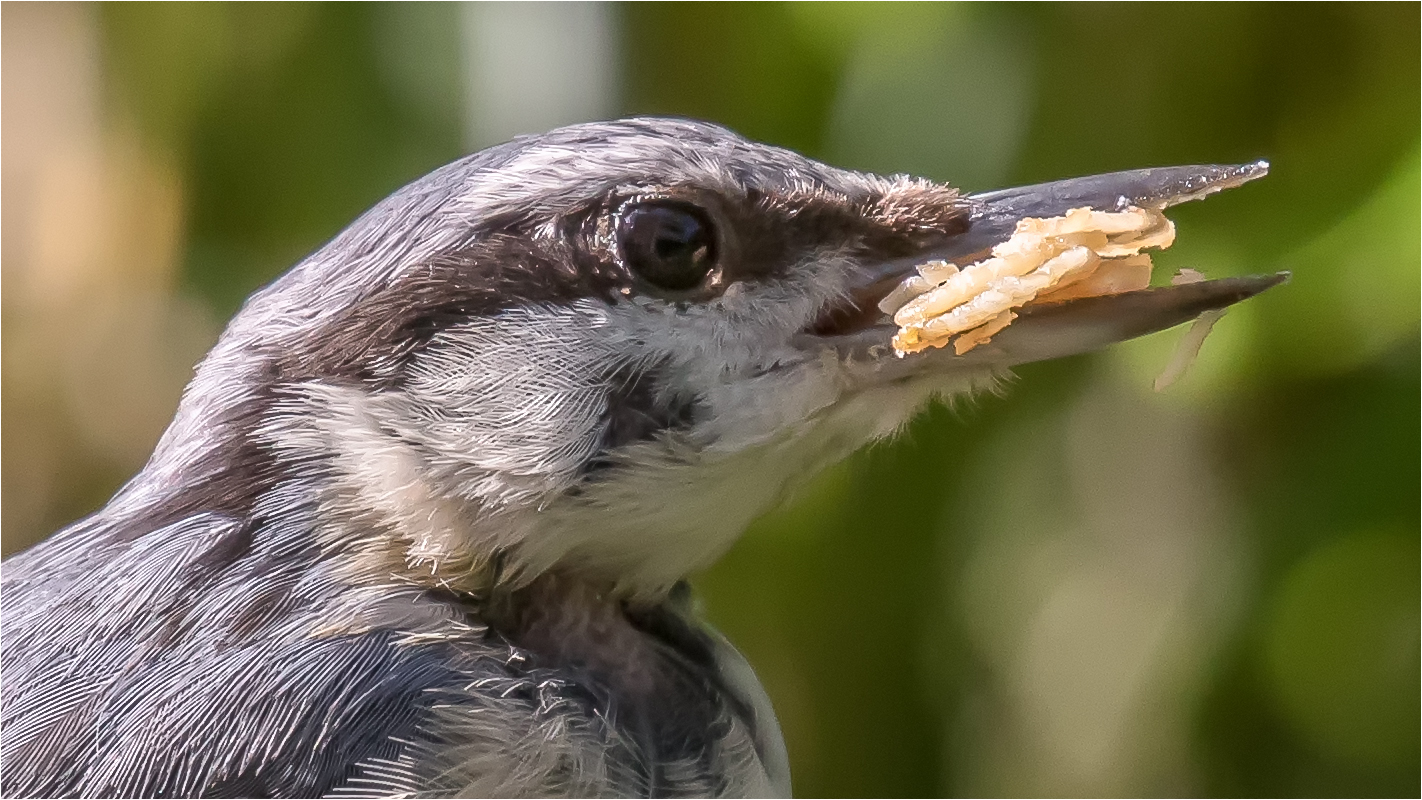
<point x="1048" y="330"/>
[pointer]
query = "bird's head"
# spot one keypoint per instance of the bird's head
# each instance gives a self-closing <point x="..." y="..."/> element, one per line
<point x="604" y="350"/>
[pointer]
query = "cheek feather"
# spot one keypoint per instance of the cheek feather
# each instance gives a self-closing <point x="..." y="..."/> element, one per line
<point x="669" y="509"/>
<point x="632" y="440"/>
<point x="635" y="440"/>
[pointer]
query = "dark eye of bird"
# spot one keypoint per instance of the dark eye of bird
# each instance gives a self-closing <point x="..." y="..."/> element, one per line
<point x="669" y="245"/>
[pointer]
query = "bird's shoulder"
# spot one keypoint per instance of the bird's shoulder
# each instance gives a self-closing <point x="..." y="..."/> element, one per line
<point x="210" y="664"/>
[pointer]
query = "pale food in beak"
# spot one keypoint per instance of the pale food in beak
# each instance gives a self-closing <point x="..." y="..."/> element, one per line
<point x="1083" y="253"/>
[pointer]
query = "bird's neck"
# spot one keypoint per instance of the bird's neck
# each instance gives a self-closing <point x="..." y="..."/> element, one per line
<point x="564" y="618"/>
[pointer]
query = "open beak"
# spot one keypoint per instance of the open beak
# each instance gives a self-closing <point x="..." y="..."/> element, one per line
<point x="1048" y="330"/>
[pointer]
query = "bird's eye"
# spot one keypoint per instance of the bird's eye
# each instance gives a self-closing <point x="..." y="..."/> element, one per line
<point x="669" y="245"/>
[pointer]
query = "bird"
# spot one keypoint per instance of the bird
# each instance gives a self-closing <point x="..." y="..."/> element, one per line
<point x="424" y="520"/>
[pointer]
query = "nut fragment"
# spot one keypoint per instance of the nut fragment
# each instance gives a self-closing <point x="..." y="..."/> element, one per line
<point x="1099" y="250"/>
<point x="1189" y="346"/>
<point x="1187" y="349"/>
<point x="983" y="333"/>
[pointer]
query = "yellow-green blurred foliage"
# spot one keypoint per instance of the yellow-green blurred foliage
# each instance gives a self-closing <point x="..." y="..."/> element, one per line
<point x="1082" y="587"/>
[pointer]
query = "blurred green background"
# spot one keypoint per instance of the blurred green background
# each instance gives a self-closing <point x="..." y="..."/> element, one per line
<point x="1079" y="588"/>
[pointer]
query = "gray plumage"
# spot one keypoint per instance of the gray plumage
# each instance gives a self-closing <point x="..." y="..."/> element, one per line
<point x="421" y="523"/>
